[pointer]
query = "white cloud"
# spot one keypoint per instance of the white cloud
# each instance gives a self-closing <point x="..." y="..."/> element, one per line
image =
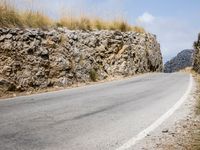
<point x="173" y="34"/>
<point x="146" y="18"/>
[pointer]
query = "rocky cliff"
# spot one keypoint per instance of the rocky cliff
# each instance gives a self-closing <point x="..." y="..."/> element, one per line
<point x="182" y="60"/>
<point x="32" y="58"/>
<point x="196" y="64"/>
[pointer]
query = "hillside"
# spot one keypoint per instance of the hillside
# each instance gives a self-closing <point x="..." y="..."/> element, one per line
<point x="182" y="60"/>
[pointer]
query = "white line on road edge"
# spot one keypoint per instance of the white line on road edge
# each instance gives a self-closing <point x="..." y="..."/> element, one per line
<point x="158" y="122"/>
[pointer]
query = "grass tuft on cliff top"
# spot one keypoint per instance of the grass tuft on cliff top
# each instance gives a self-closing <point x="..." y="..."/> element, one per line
<point x="87" y="23"/>
<point x="10" y="16"/>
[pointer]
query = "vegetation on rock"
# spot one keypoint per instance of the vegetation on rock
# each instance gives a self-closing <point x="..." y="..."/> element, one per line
<point x="10" y="16"/>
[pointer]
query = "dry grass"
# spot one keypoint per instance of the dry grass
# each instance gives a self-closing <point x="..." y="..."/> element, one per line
<point x="86" y="23"/>
<point x="35" y="20"/>
<point x="10" y="16"/>
<point x="72" y="23"/>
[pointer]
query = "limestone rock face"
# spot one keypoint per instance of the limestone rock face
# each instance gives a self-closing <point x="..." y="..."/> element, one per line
<point x="182" y="60"/>
<point x="196" y="64"/>
<point x="32" y="58"/>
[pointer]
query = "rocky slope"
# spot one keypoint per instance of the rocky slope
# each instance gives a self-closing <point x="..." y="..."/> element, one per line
<point x="33" y="59"/>
<point x="196" y="64"/>
<point x="182" y="60"/>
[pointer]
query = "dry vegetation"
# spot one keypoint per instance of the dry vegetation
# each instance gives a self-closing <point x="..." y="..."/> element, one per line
<point x="87" y="23"/>
<point x="10" y="16"/>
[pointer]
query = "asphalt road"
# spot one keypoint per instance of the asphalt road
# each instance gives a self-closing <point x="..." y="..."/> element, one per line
<point x="96" y="117"/>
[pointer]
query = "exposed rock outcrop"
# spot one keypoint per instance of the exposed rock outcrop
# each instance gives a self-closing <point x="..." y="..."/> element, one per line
<point x="32" y="58"/>
<point x="196" y="64"/>
<point x="182" y="60"/>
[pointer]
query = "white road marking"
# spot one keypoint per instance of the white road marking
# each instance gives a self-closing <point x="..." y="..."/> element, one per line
<point x="158" y="122"/>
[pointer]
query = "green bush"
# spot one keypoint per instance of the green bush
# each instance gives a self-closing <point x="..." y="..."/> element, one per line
<point x="93" y="75"/>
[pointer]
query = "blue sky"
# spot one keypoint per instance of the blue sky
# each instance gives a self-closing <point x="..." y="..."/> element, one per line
<point x="175" y="22"/>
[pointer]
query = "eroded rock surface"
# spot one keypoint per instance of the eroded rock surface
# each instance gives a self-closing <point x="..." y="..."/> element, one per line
<point x="196" y="65"/>
<point x="32" y="58"/>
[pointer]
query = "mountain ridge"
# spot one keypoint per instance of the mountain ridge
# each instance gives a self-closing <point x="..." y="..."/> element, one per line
<point x="182" y="60"/>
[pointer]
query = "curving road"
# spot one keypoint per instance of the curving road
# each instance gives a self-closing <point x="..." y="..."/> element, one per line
<point x="96" y="117"/>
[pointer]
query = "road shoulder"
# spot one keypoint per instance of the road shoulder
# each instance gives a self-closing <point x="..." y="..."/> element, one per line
<point x="178" y="131"/>
<point x="7" y="95"/>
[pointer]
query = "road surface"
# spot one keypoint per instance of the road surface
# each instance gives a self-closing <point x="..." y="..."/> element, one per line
<point x="96" y="117"/>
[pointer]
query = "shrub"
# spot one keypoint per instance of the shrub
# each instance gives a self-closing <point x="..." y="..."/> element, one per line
<point x="93" y="75"/>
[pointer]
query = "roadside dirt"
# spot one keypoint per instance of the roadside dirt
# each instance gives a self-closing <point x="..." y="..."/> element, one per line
<point x="183" y="134"/>
<point x="7" y="94"/>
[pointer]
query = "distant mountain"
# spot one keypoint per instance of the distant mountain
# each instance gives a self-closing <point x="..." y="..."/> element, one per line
<point x="182" y="60"/>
